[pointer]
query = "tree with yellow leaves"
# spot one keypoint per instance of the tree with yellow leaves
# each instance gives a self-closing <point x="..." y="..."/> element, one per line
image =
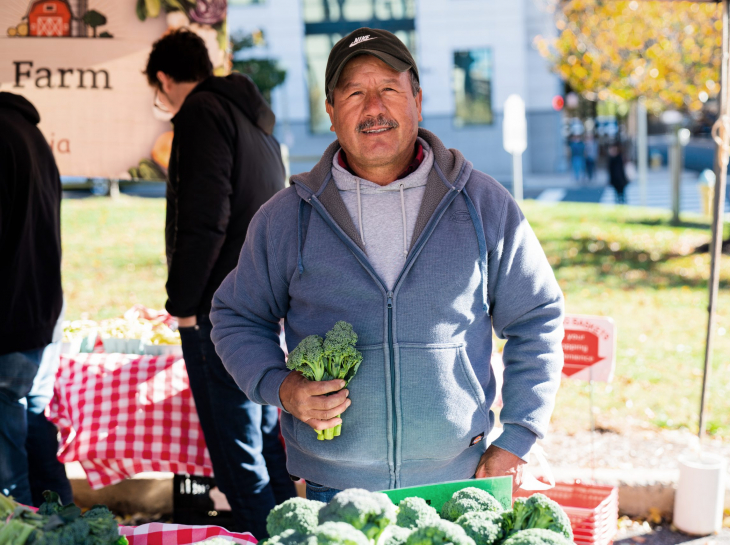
<point x="667" y="52"/>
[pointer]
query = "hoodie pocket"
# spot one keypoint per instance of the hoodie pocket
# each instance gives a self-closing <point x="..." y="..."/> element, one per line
<point x="364" y="423"/>
<point x="442" y="405"/>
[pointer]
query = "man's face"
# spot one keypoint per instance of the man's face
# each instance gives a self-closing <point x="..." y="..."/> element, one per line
<point x="375" y="114"/>
<point x="168" y="94"/>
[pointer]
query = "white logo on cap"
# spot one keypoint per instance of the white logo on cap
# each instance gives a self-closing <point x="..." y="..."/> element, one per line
<point x="361" y="39"/>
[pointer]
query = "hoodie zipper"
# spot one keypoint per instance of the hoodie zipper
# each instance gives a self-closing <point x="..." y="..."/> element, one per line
<point x="391" y="348"/>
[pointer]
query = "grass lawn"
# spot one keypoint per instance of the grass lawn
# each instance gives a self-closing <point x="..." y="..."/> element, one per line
<point x="626" y="263"/>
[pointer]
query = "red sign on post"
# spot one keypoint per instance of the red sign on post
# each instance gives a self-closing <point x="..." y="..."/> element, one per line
<point x="589" y="347"/>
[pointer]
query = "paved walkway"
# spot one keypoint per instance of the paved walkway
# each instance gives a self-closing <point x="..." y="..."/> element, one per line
<point x="562" y="188"/>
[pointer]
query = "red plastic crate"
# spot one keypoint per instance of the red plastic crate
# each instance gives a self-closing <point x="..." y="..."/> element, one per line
<point x="592" y="509"/>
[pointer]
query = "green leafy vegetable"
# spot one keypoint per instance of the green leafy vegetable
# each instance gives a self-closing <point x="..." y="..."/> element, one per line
<point x="484" y="527"/>
<point x="537" y="536"/>
<point x="539" y="511"/>
<point x="369" y="512"/>
<point x="468" y="500"/>
<point x="296" y="514"/>
<point x="441" y="532"/>
<point x="415" y="512"/>
<point x="335" y="357"/>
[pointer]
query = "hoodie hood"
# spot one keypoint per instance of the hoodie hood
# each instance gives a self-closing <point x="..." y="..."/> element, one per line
<point x="241" y="91"/>
<point x="450" y="164"/>
<point x="449" y="173"/>
<point x="21" y="104"/>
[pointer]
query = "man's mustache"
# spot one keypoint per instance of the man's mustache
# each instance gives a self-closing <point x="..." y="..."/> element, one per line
<point x="380" y="121"/>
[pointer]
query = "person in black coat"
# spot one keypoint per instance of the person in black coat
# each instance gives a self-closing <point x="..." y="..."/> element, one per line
<point x="31" y="303"/>
<point x="616" y="173"/>
<point x="225" y="163"/>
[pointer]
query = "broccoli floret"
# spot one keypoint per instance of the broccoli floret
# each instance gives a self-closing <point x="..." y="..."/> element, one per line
<point x="539" y="511"/>
<point x="484" y="527"/>
<point x="291" y="537"/>
<point x="103" y="527"/>
<point x="394" y="535"/>
<point x="308" y="358"/>
<point x="467" y="500"/>
<point x="51" y="503"/>
<point x="537" y="536"/>
<point x="414" y="512"/>
<point x="339" y="533"/>
<point x="295" y="514"/>
<point x="369" y="512"/>
<point x="441" y="532"/>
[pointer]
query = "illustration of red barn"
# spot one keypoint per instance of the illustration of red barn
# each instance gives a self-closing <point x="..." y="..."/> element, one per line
<point x="49" y="18"/>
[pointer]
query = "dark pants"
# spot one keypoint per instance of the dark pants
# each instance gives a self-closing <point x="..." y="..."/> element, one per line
<point x="28" y="441"/>
<point x="590" y="168"/>
<point x="248" y="458"/>
<point x="317" y="492"/>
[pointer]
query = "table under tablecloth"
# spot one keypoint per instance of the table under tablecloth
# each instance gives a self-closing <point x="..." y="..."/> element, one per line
<point x="121" y="414"/>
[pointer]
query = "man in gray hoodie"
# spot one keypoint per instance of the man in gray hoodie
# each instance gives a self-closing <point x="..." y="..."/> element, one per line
<point x="425" y="257"/>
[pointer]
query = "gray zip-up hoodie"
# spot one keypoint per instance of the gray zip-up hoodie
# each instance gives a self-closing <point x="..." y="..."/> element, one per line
<point x="422" y="396"/>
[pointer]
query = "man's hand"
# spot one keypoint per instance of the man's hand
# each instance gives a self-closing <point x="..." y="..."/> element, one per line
<point x="188" y="321"/>
<point x="497" y="462"/>
<point x="306" y="400"/>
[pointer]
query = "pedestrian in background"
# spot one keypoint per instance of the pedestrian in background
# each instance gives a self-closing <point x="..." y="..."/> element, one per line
<point x="616" y="173"/>
<point x="224" y="165"/>
<point x="31" y="305"/>
<point x="577" y="157"/>
<point x="591" y="155"/>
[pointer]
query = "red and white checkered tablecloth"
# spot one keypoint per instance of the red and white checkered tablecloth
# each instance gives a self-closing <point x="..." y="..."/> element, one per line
<point x="177" y="534"/>
<point x="122" y="414"/>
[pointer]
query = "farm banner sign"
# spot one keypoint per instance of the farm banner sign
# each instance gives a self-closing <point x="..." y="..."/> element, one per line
<point x="80" y="63"/>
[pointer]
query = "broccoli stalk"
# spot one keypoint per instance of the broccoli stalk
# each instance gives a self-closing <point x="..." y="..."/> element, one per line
<point x="7" y="506"/>
<point x="335" y="357"/>
<point x="15" y="532"/>
<point x="343" y="359"/>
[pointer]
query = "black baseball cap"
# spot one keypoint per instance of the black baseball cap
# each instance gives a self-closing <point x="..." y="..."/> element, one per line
<point x="368" y="41"/>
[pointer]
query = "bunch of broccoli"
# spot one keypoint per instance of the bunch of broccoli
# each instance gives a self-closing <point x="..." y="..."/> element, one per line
<point x="468" y="500"/>
<point x="57" y="524"/>
<point x="369" y="512"/>
<point x="538" y="511"/>
<point x="471" y="517"/>
<point x="335" y="357"/>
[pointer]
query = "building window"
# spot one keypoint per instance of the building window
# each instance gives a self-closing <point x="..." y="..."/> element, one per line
<point x="472" y="79"/>
<point x="327" y="21"/>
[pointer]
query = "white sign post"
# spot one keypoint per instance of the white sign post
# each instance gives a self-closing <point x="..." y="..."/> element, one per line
<point x="514" y="139"/>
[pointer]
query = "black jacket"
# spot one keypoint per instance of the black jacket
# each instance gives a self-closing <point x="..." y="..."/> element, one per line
<point x="225" y="164"/>
<point x="30" y="230"/>
<point x="616" y="172"/>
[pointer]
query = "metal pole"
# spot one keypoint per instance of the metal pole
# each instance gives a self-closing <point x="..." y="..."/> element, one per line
<point x="721" y="135"/>
<point x="642" y="151"/>
<point x="675" y="160"/>
<point x="517" y="176"/>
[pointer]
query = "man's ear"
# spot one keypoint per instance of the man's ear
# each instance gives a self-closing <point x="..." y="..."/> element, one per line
<point x="419" y="101"/>
<point x="330" y="112"/>
<point x="165" y="81"/>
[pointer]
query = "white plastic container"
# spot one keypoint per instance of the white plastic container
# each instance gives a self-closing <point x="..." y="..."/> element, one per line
<point x="700" y="495"/>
